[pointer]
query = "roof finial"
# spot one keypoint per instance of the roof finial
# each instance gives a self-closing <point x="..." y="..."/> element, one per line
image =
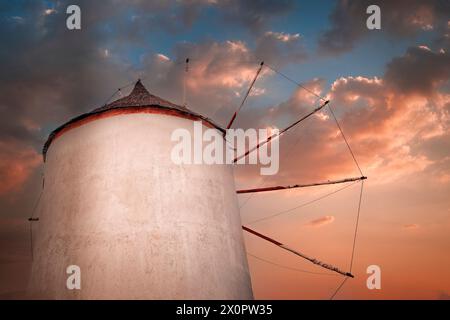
<point x="139" y="88"/>
<point x="186" y="70"/>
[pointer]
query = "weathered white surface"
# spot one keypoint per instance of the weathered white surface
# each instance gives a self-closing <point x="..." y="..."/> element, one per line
<point x="139" y="226"/>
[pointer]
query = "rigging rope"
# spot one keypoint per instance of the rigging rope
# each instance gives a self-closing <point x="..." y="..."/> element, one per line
<point x="141" y="79"/>
<point x="298" y="253"/>
<point x="109" y="99"/>
<point x="119" y="90"/>
<point x="338" y="288"/>
<point x="31" y="219"/>
<point x="356" y="225"/>
<point x="280" y="133"/>
<point x="263" y="180"/>
<point x="303" y="204"/>
<point x="295" y="82"/>
<point x="354" y="240"/>
<point x="345" y="139"/>
<point x="329" y="106"/>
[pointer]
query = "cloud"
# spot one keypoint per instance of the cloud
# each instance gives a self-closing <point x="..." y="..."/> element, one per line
<point x="411" y="226"/>
<point x="17" y="162"/>
<point x="50" y="74"/>
<point x="175" y="16"/>
<point x="73" y="72"/>
<point x="284" y="37"/>
<point x="395" y="129"/>
<point x="396" y="126"/>
<point x="319" y="222"/>
<point x="377" y="115"/>
<point x="254" y="15"/>
<point x="47" y="76"/>
<point x="419" y="71"/>
<point x="48" y="12"/>
<point x="219" y="72"/>
<point x="280" y="48"/>
<point x="162" y="57"/>
<point x="401" y="18"/>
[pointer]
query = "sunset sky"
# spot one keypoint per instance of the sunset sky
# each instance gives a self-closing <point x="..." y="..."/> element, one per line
<point x="389" y="89"/>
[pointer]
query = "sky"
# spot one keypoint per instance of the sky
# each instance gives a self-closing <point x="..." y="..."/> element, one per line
<point x="389" y="89"/>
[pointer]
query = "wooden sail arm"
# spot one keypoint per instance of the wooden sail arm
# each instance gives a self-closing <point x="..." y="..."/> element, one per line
<point x="283" y="246"/>
<point x="246" y="95"/>
<point x="275" y="188"/>
<point x="276" y="135"/>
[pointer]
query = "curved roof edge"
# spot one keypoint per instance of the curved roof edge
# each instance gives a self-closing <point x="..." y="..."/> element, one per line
<point x="138" y="101"/>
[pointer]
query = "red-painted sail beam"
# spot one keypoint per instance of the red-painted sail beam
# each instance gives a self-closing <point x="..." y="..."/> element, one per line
<point x="246" y="96"/>
<point x="275" y="135"/>
<point x="275" y="188"/>
<point x="313" y="260"/>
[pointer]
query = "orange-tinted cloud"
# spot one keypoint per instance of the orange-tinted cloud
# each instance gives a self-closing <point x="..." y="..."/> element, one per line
<point x="17" y="162"/>
<point x="319" y="222"/>
<point x="395" y="129"/>
<point x="220" y="72"/>
<point x="411" y="226"/>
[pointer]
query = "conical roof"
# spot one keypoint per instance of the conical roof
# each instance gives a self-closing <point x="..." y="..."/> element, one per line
<point x="138" y="100"/>
<point x="139" y="97"/>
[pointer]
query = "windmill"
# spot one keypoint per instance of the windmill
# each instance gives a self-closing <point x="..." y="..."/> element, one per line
<point x="138" y="225"/>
